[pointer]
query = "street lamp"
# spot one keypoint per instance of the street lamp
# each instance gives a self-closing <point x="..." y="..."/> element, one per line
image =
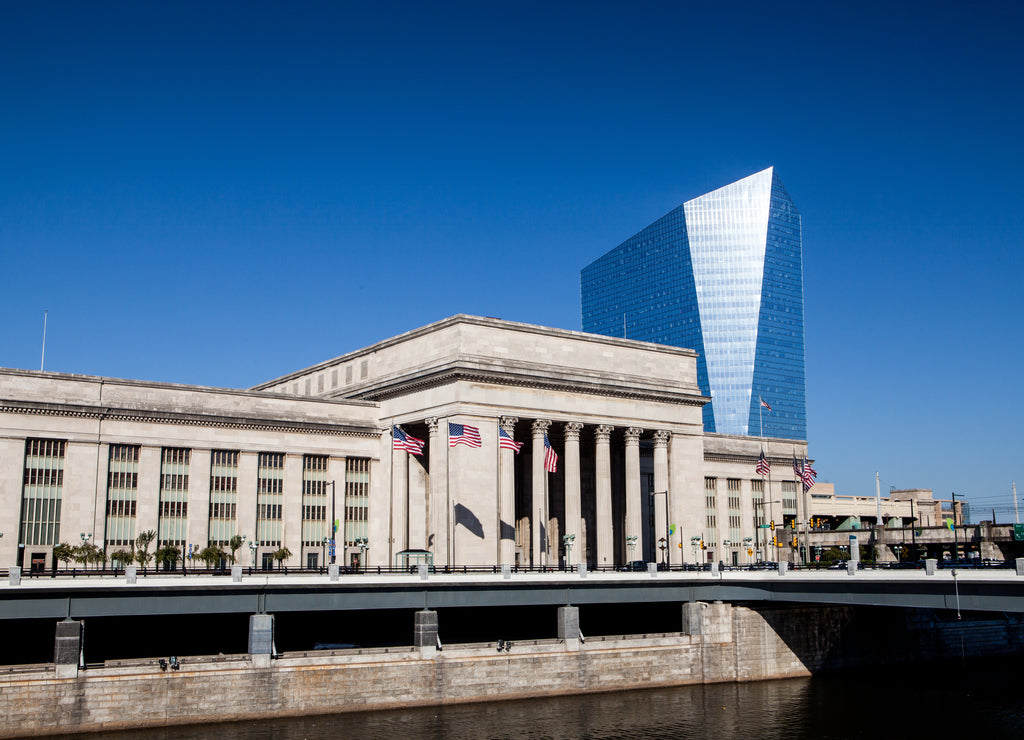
<point x="747" y="542"/>
<point x="253" y="547"/>
<point x="631" y="545"/>
<point x="334" y="527"/>
<point x="323" y="549"/>
<point x="668" y="530"/>
<point x="567" y="540"/>
<point x="363" y="544"/>
<point x="663" y="546"/>
<point x="695" y="543"/>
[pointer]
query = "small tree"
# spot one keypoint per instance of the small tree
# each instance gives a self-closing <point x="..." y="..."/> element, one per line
<point x="233" y="544"/>
<point x="281" y="555"/>
<point x="64" y="552"/>
<point x="142" y="543"/>
<point x="124" y="557"/>
<point x="84" y="553"/>
<point x="167" y="556"/>
<point x="98" y="556"/>
<point x="211" y="556"/>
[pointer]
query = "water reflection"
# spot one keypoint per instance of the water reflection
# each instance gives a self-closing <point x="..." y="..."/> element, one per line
<point x="982" y="700"/>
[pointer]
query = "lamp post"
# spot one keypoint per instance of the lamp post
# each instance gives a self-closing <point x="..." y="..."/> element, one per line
<point x="695" y="543"/>
<point x="747" y="542"/>
<point x="323" y="549"/>
<point x="363" y="544"/>
<point x="334" y="528"/>
<point x="253" y="547"/>
<point x="663" y="546"/>
<point x="568" y="540"/>
<point x="631" y="545"/>
<point x="668" y="538"/>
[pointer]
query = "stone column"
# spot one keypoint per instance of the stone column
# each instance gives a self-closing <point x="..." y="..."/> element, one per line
<point x="633" y="528"/>
<point x="261" y="639"/>
<point x="539" y="501"/>
<point x="573" y="506"/>
<point x="67" y="648"/>
<point x="399" y="503"/>
<point x="507" y="496"/>
<point x="437" y="506"/>
<point x="425" y="631"/>
<point x="660" y="502"/>
<point x="603" y="496"/>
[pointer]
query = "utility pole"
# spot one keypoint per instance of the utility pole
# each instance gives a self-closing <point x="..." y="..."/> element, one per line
<point x="1016" y="511"/>
<point x="956" y="545"/>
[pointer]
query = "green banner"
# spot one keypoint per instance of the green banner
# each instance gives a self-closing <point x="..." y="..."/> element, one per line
<point x="1018" y="532"/>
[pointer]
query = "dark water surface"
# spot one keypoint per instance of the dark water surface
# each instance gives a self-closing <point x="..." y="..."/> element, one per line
<point x="981" y="700"/>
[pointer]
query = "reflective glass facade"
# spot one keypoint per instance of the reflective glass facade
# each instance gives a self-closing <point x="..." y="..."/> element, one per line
<point x="721" y="274"/>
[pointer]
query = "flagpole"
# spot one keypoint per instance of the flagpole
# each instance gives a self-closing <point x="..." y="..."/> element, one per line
<point x="391" y="498"/>
<point x="449" y="533"/>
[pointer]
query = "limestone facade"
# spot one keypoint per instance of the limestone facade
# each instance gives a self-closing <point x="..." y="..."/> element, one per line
<point x="636" y="478"/>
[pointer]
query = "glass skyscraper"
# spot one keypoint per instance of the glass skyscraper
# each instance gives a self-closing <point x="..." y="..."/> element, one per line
<point x="721" y="274"/>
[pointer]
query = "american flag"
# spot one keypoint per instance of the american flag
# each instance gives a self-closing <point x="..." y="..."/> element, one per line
<point x="763" y="466"/>
<point x="809" y="475"/>
<point x="764" y="403"/>
<point x="463" y="434"/>
<point x="506" y="441"/>
<point x="550" y="456"/>
<point x="402" y="441"/>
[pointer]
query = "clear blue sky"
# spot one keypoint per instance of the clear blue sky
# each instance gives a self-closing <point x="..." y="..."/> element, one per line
<point x="220" y="193"/>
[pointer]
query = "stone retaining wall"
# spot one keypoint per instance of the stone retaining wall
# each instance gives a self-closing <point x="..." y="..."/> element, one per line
<point x="720" y="643"/>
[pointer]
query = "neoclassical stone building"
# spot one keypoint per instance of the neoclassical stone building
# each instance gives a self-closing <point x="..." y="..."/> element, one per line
<point x="635" y="478"/>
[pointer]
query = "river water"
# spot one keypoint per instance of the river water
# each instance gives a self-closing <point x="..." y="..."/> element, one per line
<point x="980" y="700"/>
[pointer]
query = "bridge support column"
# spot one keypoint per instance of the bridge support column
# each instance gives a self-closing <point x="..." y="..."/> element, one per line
<point x="67" y="648"/>
<point x="1020" y="566"/>
<point x="929" y="566"/>
<point x="710" y="622"/>
<point x="569" y="626"/>
<point x="261" y="639"/>
<point x="693" y="618"/>
<point x="425" y="631"/>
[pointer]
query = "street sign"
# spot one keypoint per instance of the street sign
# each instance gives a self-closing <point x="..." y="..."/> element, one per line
<point x="1018" y="532"/>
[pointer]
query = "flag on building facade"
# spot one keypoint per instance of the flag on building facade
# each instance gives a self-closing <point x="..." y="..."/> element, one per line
<point x="402" y="441"/>
<point x="463" y="434"/>
<point x="550" y="456"/>
<point x="763" y="466"/>
<point x="764" y="403"/>
<point x="506" y="441"/>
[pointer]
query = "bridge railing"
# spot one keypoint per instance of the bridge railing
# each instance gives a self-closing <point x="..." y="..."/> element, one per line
<point x="382" y="570"/>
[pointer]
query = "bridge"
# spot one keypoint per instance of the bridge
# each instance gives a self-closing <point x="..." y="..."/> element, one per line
<point x="988" y="590"/>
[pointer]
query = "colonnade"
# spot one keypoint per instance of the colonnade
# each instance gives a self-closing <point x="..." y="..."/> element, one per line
<point x="539" y="548"/>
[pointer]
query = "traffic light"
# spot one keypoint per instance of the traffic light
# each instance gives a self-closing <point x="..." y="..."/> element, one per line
<point x="794" y="541"/>
<point x="771" y="526"/>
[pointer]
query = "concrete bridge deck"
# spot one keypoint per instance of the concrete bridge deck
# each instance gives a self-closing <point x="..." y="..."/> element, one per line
<point x="993" y="590"/>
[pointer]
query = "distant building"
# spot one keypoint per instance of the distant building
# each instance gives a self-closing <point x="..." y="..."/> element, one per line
<point x="721" y="274"/>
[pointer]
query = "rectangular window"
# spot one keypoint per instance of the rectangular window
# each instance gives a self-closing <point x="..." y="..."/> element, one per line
<point x="223" y="495"/>
<point x="174" y="467"/>
<point x="42" y="491"/>
<point x="757" y="490"/>
<point x="315" y="528"/>
<point x="357" y="499"/>
<point x="789" y="498"/>
<point x="711" y="511"/>
<point x="270" y="499"/>
<point x="735" y="534"/>
<point x="122" y="493"/>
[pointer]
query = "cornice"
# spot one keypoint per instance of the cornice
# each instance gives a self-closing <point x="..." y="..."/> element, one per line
<point x="184" y="419"/>
<point x="445" y="376"/>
